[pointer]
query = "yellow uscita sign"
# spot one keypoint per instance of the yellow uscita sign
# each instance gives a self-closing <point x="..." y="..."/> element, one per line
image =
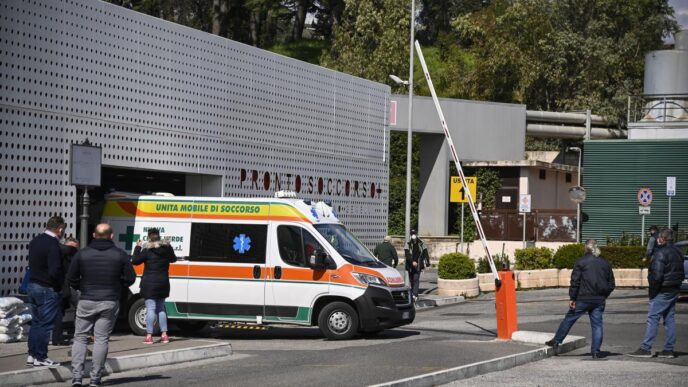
<point x="208" y="210"/>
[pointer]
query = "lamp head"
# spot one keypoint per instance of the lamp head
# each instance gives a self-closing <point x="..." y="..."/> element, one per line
<point x="398" y="80"/>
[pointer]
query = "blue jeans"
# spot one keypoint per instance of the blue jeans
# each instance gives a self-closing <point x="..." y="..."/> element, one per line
<point x="44" y="303"/>
<point x="155" y="307"/>
<point x="664" y="306"/>
<point x="595" y="311"/>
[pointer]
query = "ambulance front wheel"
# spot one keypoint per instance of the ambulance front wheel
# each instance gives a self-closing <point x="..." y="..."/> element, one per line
<point x="137" y="318"/>
<point x="338" y="321"/>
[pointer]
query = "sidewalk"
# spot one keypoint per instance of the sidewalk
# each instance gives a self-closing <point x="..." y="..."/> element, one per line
<point x="126" y="353"/>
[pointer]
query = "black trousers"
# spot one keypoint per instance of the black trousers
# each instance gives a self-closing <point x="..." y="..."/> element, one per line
<point x="414" y="278"/>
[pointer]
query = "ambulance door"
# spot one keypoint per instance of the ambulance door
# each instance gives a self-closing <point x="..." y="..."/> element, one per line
<point x="126" y="233"/>
<point x="227" y="271"/>
<point x="293" y="286"/>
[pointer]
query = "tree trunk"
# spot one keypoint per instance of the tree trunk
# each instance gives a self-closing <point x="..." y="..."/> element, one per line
<point x="300" y="19"/>
<point x="220" y="12"/>
<point x="255" y="27"/>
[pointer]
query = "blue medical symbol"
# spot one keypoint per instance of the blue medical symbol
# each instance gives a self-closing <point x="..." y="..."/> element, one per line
<point x="242" y="243"/>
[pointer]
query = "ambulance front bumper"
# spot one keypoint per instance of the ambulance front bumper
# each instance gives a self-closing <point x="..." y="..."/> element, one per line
<point x="383" y="308"/>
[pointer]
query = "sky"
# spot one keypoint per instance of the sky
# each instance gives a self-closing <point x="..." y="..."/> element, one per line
<point x="680" y="13"/>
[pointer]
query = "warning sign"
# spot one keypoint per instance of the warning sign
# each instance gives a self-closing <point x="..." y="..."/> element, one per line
<point x="645" y="196"/>
<point x="457" y="192"/>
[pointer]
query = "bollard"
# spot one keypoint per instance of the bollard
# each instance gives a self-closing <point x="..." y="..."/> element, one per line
<point x="505" y="303"/>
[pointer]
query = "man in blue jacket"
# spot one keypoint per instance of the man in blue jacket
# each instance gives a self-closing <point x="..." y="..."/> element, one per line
<point x="100" y="272"/>
<point x="592" y="281"/>
<point x="45" y="282"/>
<point x="664" y="279"/>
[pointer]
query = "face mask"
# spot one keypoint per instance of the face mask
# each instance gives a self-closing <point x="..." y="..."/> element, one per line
<point x="413" y="237"/>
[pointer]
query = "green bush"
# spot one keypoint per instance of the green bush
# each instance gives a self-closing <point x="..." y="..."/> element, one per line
<point x="499" y="259"/>
<point x="624" y="257"/>
<point x="456" y="266"/>
<point x="566" y="255"/>
<point x="533" y="258"/>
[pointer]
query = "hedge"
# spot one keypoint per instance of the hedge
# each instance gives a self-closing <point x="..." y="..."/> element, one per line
<point x="533" y="258"/>
<point x="566" y="255"/>
<point x="456" y="266"/>
<point x="624" y="257"/>
<point x="499" y="259"/>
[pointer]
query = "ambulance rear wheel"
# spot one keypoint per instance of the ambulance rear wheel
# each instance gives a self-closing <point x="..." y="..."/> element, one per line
<point x="338" y="321"/>
<point x="137" y="318"/>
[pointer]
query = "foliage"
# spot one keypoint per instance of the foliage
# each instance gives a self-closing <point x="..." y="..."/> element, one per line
<point x="435" y="17"/>
<point x="305" y="50"/>
<point x="624" y="257"/>
<point x="397" y="183"/>
<point x="566" y="255"/>
<point x="625" y="240"/>
<point x="371" y="41"/>
<point x="499" y="261"/>
<point x="456" y="266"/>
<point x="533" y="258"/>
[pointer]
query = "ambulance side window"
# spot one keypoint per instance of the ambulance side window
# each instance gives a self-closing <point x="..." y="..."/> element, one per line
<point x="296" y="245"/>
<point x="232" y="243"/>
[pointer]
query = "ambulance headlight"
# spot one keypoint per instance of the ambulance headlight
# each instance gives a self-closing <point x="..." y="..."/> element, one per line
<point x="367" y="279"/>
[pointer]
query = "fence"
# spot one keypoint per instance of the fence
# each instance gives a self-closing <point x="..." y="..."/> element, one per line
<point x="541" y="225"/>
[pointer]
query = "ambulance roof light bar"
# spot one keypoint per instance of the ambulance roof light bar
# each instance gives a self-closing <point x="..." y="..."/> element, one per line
<point x="285" y="195"/>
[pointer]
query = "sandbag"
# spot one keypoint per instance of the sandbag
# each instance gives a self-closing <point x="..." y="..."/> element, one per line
<point x="7" y="303"/>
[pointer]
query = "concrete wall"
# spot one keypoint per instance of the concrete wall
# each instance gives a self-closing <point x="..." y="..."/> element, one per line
<point x="550" y="193"/>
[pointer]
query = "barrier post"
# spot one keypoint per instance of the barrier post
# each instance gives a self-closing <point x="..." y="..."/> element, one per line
<point x="505" y="297"/>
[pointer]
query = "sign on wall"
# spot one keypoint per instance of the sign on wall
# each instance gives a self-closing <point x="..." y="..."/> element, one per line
<point x="457" y="193"/>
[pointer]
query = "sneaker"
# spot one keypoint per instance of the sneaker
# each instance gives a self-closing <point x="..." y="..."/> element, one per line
<point x="164" y="339"/>
<point x="95" y="383"/>
<point x="45" y="363"/>
<point x="29" y="361"/>
<point x="76" y="383"/>
<point x="148" y="340"/>
<point x="640" y="353"/>
<point x="666" y="354"/>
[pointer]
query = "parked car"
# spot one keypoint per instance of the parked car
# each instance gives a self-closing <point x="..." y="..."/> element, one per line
<point x="683" y="246"/>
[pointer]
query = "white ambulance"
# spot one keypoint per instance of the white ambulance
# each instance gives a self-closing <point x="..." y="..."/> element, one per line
<point x="261" y="261"/>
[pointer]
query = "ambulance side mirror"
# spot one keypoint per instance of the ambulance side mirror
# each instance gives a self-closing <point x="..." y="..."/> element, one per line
<point x="319" y="260"/>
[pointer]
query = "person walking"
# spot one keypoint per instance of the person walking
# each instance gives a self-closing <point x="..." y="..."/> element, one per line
<point x="45" y="282"/>
<point x="99" y="272"/>
<point x="664" y="279"/>
<point x="417" y="260"/>
<point x="651" y="243"/>
<point x="386" y="253"/>
<point x="156" y="255"/>
<point x="592" y="281"/>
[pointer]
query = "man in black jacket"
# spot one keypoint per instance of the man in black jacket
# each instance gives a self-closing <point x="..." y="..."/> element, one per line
<point x="99" y="271"/>
<point x="417" y="259"/>
<point x="664" y="279"/>
<point x="46" y="277"/>
<point x="592" y="281"/>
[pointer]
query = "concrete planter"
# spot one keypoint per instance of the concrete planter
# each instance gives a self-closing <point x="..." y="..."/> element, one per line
<point x="629" y="278"/>
<point x="643" y="278"/>
<point x="547" y="278"/>
<point x="565" y="278"/>
<point x="465" y="287"/>
<point x="486" y="282"/>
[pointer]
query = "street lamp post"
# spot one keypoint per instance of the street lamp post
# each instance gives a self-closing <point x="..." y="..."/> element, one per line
<point x="578" y="203"/>
<point x="409" y="135"/>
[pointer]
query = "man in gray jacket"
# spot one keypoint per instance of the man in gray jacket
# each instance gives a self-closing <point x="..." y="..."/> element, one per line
<point x="664" y="278"/>
<point x="100" y="272"/>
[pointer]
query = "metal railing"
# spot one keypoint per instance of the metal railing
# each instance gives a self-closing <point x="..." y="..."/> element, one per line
<point x="658" y="108"/>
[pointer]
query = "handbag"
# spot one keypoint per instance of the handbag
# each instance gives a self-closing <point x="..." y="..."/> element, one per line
<point x="24" y="286"/>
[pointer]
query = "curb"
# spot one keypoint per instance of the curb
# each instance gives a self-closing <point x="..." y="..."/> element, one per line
<point x="487" y="366"/>
<point x="117" y="364"/>
<point x="426" y="303"/>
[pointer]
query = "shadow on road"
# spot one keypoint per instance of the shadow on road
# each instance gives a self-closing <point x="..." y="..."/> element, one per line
<point x="127" y="380"/>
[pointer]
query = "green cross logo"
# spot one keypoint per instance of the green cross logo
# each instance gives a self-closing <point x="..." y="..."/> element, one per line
<point x="129" y="238"/>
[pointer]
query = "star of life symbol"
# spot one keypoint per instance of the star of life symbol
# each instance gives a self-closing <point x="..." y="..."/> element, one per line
<point x="242" y="243"/>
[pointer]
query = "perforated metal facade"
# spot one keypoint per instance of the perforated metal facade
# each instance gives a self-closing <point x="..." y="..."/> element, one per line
<point x="160" y="96"/>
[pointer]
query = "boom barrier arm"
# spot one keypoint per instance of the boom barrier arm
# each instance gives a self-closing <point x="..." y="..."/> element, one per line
<point x="455" y="156"/>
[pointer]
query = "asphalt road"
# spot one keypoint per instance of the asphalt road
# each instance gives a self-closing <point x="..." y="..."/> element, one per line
<point x="440" y="338"/>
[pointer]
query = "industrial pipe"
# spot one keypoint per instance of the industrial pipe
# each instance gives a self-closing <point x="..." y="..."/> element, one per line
<point x="564" y="118"/>
<point x="561" y="131"/>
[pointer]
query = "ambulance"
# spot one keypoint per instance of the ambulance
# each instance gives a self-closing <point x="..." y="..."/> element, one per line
<point x="261" y="261"/>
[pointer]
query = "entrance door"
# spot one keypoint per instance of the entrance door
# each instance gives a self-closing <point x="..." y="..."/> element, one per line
<point x="227" y="271"/>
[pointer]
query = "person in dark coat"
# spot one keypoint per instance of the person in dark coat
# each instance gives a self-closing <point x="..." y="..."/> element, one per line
<point x="592" y="281"/>
<point x="417" y="259"/>
<point x="69" y="249"/>
<point x="386" y="253"/>
<point x="156" y="255"/>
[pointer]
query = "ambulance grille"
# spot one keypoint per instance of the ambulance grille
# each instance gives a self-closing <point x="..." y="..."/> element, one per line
<point x="402" y="297"/>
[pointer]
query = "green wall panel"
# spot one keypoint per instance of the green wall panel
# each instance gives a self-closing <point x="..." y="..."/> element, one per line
<point x="614" y="171"/>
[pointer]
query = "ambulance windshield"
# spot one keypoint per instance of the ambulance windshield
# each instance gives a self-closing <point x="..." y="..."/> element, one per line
<point x="346" y="244"/>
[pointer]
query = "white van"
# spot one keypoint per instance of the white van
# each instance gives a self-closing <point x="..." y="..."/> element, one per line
<point x="262" y="261"/>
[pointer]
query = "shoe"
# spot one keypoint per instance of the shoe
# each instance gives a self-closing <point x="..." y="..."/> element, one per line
<point x="666" y="354"/>
<point x="76" y="383"/>
<point x="148" y="340"/>
<point x="29" y="361"/>
<point x="164" y="339"/>
<point x="597" y="355"/>
<point x="554" y="344"/>
<point x="45" y="363"/>
<point x="95" y="383"/>
<point x="640" y="353"/>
